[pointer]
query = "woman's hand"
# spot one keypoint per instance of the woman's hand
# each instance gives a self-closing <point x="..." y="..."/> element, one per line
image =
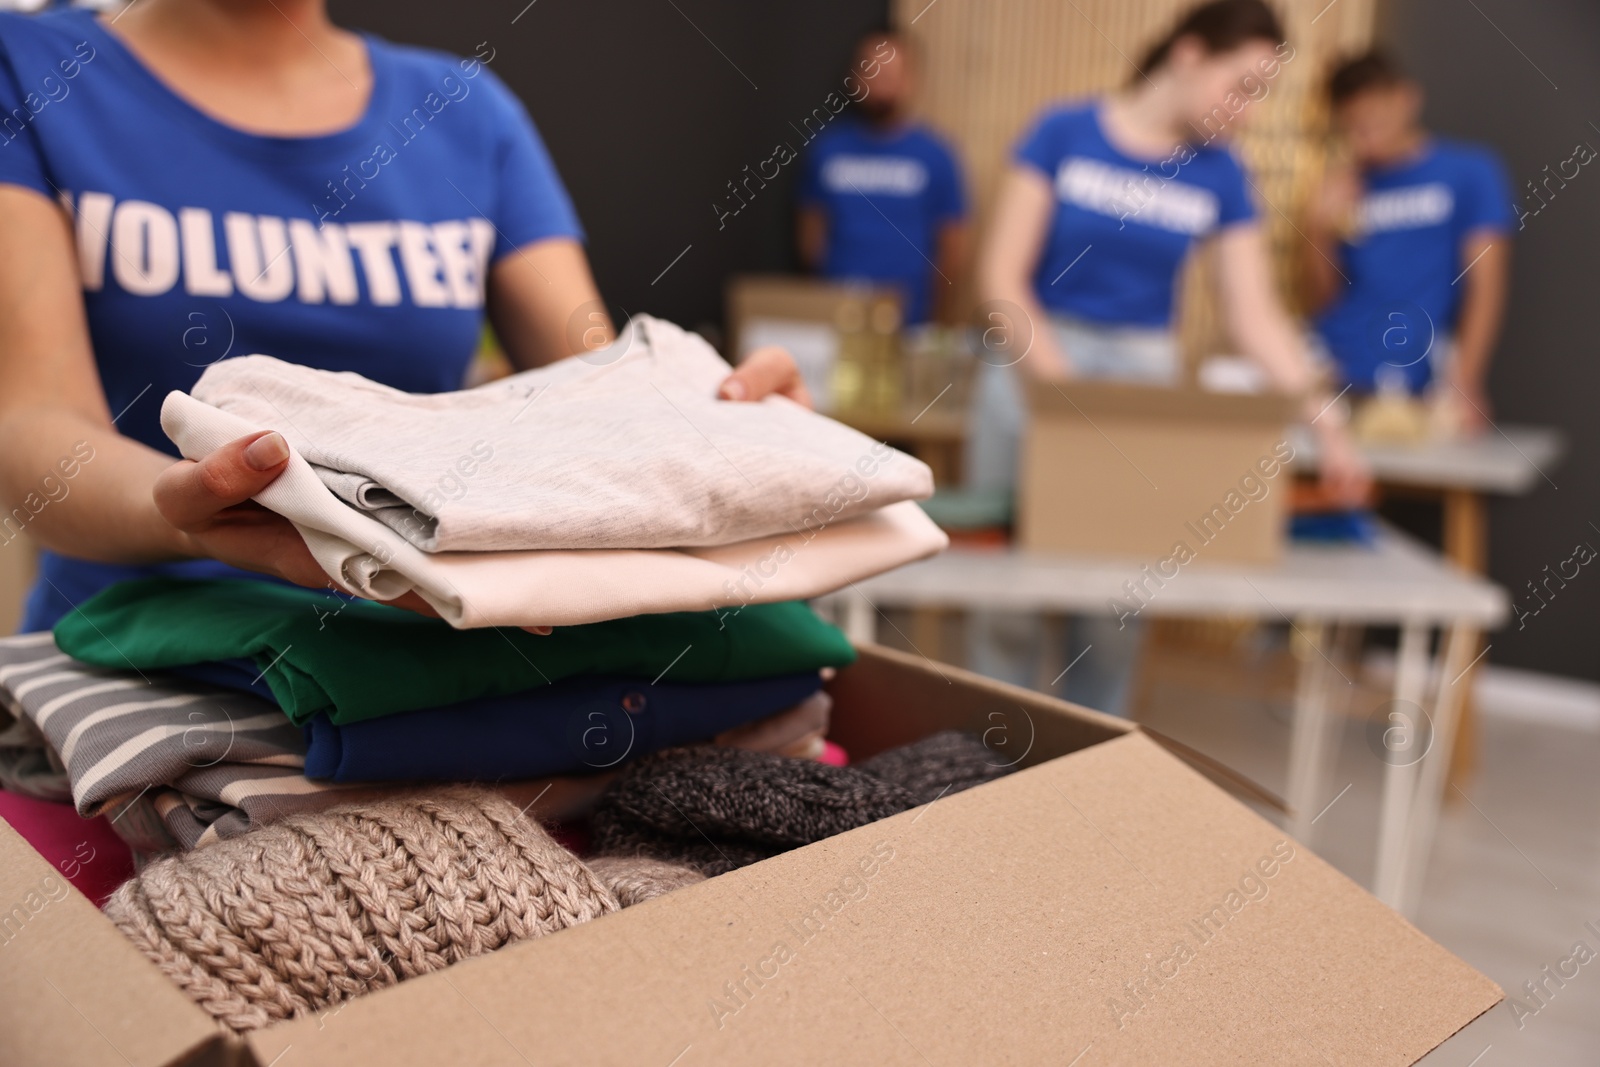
<point x="1346" y="476"/>
<point x="766" y="372"/>
<point x="209" y="503"/>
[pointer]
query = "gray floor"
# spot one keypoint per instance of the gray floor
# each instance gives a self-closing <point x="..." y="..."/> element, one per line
<point x="1515" y="874"/>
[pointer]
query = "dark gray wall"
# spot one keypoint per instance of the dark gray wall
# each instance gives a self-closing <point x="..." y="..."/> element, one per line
<point x="650" y="109"/>
<point x="1529" y="83"/>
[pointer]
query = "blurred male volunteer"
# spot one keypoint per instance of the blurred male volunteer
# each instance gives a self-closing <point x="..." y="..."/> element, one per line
<point x="1412" y="244"/>
<point x="880" y="196"/>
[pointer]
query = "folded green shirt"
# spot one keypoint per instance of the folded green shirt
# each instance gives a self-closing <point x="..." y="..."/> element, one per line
<point x="357" y="659"/>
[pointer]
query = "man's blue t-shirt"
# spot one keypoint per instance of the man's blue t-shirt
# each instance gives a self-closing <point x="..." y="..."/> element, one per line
<point x="1404" y="262"/>
<point x="886" y="195"/>
<point x="1123" y="226"/>
<point x="363" y="250"/>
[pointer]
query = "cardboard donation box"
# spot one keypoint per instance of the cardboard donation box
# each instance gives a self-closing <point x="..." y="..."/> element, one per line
<point x="823" y="325"/>
<point x="1127" y="470"/>
<point x="1105" y="904"/>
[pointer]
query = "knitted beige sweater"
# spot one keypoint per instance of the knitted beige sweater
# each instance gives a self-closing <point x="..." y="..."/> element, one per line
<point x="316" y="909"/>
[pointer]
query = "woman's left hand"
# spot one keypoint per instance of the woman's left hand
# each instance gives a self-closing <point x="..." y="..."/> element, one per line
<point x="766" y="372"/>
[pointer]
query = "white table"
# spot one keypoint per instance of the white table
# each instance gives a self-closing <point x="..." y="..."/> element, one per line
<point x="1314" y="588"/>
<point x="1505" y="459"/>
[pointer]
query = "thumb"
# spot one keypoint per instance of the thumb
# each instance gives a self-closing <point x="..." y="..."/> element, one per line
<point x="765" y="372"/>
<point x="189" y="494"/>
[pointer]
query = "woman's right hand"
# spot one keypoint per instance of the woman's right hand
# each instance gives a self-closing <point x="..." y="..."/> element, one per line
<point x="209" y="502"/>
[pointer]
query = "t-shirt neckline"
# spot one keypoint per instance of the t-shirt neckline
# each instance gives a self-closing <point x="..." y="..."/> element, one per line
<point x="895" y="136"/>
<point x="1423" y="156"/>
<point x="356" y="135"/>
<point x="1097" y="120"/>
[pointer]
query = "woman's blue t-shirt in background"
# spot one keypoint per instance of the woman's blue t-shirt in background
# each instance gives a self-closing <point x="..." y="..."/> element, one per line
<point x="1403" y="264"/>
<point x="886" y="194"/>
<point x="1123" y="226"/>
<point x="364" y="250"/>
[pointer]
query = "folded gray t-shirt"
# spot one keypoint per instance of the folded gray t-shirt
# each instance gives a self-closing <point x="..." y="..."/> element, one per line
<point x="623" y="448"/>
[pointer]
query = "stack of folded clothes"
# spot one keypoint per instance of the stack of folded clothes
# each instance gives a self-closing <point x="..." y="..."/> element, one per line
<point x="602" y="486"/>
<point x="215" y="706"/>
<point x="251" y="740"/>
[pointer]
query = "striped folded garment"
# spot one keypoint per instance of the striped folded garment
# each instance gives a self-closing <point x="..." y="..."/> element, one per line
<point x="211" y="763"/>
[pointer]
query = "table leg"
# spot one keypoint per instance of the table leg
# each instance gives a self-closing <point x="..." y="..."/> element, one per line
<point x="1449" y="699"/>
<point x="1466" y="530"/>
<point x="927" y="632"/>
<point x="1402" y="763"/>
<point x="1466" y="544"/>
<point x="860" y="617"/>
<point x="1308" y="734"/>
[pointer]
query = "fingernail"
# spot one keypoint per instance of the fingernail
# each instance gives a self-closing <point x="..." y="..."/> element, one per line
<point x="266" y="452"/>
<point x="733" y="389"/>
<point x="543" y="631"/>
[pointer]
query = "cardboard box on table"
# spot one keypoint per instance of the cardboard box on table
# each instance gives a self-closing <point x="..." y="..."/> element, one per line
<point x="807" y="316"/>
<point x="1115" y="469"/>
<point x="1105" y="902"/>
<point x="751" y="298"/>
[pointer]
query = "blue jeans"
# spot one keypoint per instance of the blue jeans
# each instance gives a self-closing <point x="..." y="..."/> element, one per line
<point x="1098" y="653"/>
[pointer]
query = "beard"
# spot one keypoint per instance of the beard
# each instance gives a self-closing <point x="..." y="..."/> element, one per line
<point x="876" y="108"/>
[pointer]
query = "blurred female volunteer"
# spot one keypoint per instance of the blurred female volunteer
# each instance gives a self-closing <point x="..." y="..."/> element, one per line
<point x="1104" y="201"/>
<point x="192" y="179"/>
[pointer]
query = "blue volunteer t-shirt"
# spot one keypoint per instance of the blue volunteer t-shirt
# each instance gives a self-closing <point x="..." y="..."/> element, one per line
<point x="1123" y="226"/>
<point x="886" y="196"/>
<point x="1404" y="259"/>
<point x="363" y="250"/>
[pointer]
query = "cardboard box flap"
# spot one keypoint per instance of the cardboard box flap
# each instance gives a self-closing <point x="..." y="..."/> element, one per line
<point x="905" y="699"/>
<point x="1109" y="905"/>
<point x="59" y="957"/>
<point x="1219" y="773"/>
<point x="902" y="696"/>
<point x="1094" y="398"/>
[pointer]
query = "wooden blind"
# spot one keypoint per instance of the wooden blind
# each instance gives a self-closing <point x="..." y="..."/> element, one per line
<point x="989" y="66"/>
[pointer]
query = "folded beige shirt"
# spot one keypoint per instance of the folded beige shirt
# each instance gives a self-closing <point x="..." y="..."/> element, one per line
<point x="623" y="448"/>
<point x="561" y="587"/>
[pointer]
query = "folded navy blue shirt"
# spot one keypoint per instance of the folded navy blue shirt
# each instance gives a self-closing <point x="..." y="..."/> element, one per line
<point x="572" y="726"/>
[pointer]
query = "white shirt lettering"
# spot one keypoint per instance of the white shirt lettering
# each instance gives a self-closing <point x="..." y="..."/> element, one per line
<point x="200" y="274"/>
<point x="894" y="175"/>
<point x="1407" y="208"/>
<point x="268" y="258"/>
<point x="1131" y="195"/>
<point x="144" y="248"/>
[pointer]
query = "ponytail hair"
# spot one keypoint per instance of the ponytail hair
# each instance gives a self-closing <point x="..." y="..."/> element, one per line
<point x="1219" y="26"/>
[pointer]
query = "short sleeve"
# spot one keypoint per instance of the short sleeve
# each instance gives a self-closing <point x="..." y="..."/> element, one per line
<point x="949" y="200"/>
<point x="809" y="191"/>
<point x="533" y="203"/>
<point x="1484" y="198"/>
<point x="1038" y="147"/>
<point x="1234" y="202"/>
<point x="21" y="157"/>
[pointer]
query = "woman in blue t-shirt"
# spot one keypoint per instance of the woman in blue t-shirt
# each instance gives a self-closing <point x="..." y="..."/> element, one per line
<point x="1103" y="204"/>
<point x="193" y="179"/>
